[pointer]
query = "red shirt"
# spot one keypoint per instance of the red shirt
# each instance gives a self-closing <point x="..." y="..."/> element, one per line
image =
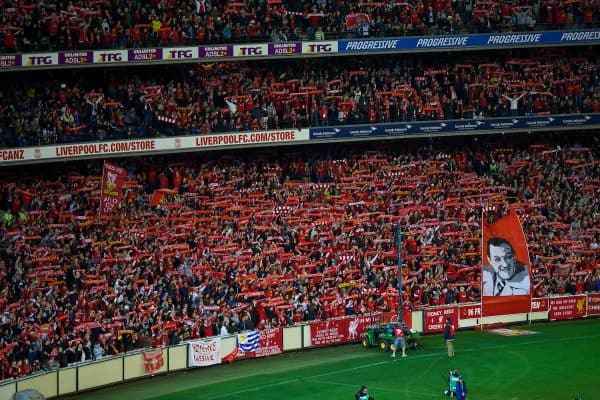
<point x="208" y="330"/>
<point x="10" y="41"/>
<point x="398" y="331"/>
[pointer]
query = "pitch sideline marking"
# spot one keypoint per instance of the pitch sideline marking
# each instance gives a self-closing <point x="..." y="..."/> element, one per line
<point x="375" y="387"/>
<point x="255" y="388"/>
<point x="390" y="361"/>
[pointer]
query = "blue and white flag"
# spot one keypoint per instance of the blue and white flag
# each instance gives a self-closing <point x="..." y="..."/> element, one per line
<point x="249" y="341"/>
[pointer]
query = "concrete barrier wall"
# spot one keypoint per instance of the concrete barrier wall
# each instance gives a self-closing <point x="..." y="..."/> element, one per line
<point x="46" y="384"/>
<point x="8" y="389"/>
<point x="100" y="373"/>
<point x="292" y="338"/>
<point x="306" y="335"/>
<point x="67" y="380"/>
<point x="540" y="316"/>
<point x="178" y="357"/>
<point x="417" y="320"/>
<point x="228" y="343"/>
<point x="469" y="323"/>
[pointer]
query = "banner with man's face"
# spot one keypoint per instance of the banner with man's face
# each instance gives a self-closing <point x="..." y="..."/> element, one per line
<point x="505" y="271"/>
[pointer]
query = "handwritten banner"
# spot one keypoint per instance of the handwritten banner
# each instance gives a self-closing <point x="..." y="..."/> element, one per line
<point x="434" y="320"/>
<point x="568" y="307"/>
<point x="205" y="352"/>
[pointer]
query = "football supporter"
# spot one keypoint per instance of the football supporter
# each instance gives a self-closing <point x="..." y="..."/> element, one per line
<point x="60" y="107"/>
<point x="260" y="240"/>
<point x="78" y="25"/>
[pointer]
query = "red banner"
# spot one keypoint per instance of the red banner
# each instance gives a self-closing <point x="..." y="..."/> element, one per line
<point x="469" y="311"/>
<point x="434" y="319"/>
<point x="349" y="329"/>
<point x="593" y="305"/>
<point x="540" y="304"/>
<point x="159" y="196"/>
<point x="355" y="20"/>
<point x="113" y="178"/>
<point x="407" y="315"/>
<point x="568" y="307"/>
<point x="505" y="282"/>
<point x="358" y="325"/>
<point x="270" y="344"/>
<point x="332" y="331"/>
<point x="153" y="361"/>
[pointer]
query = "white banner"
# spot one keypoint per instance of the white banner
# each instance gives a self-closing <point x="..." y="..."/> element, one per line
<point x="149" y="146"/>
<point x="205" y="352"/>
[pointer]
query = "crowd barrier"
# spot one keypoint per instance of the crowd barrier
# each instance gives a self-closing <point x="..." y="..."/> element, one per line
<point x="135" y="365"/>
<point x="284" y="137"/>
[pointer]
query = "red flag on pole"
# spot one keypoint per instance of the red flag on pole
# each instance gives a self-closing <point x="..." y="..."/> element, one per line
<point x="113" y="178"/>
<point x="505" y="273"/>
<point x="159" y="196"/>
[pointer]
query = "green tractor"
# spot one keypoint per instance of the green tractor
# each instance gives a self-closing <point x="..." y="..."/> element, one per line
<point x="382" y="335"/>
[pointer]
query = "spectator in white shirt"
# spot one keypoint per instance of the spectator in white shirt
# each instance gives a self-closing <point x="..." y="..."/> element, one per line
<point x="514" y="103"/>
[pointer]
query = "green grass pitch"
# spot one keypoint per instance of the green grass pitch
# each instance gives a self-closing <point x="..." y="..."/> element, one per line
<point x="559" y="362"/>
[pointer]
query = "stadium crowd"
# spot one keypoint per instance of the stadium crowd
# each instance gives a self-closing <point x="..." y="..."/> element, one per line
<point x="212" y="245"/>
<point x="82" y="105"/>
<point x="59" y="25"/>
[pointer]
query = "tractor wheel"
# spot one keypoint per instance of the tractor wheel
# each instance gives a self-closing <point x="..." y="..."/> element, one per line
<point x="384" y="345"/>
<point x="365" y="342"/>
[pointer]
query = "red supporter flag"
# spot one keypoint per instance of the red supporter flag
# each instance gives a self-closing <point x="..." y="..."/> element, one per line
<point x="229" y="358"/>
<point x="113" y="178"/>
<point x="505" y="281"/>
<point x="153" y="361"/>
<point x="158" y="198"/>
<point x="355" y="20"/>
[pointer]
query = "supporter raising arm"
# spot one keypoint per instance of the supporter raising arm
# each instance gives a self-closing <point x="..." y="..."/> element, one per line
<point x="147" y="277"/>
<point x="514" y="103"/>
<point x="224" y="97"/>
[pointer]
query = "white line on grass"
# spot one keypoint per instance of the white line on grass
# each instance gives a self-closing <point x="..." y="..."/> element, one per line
<point x="255" y="388"/>
<point x="377" y="388"/>
<point x="341" y="371"/>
